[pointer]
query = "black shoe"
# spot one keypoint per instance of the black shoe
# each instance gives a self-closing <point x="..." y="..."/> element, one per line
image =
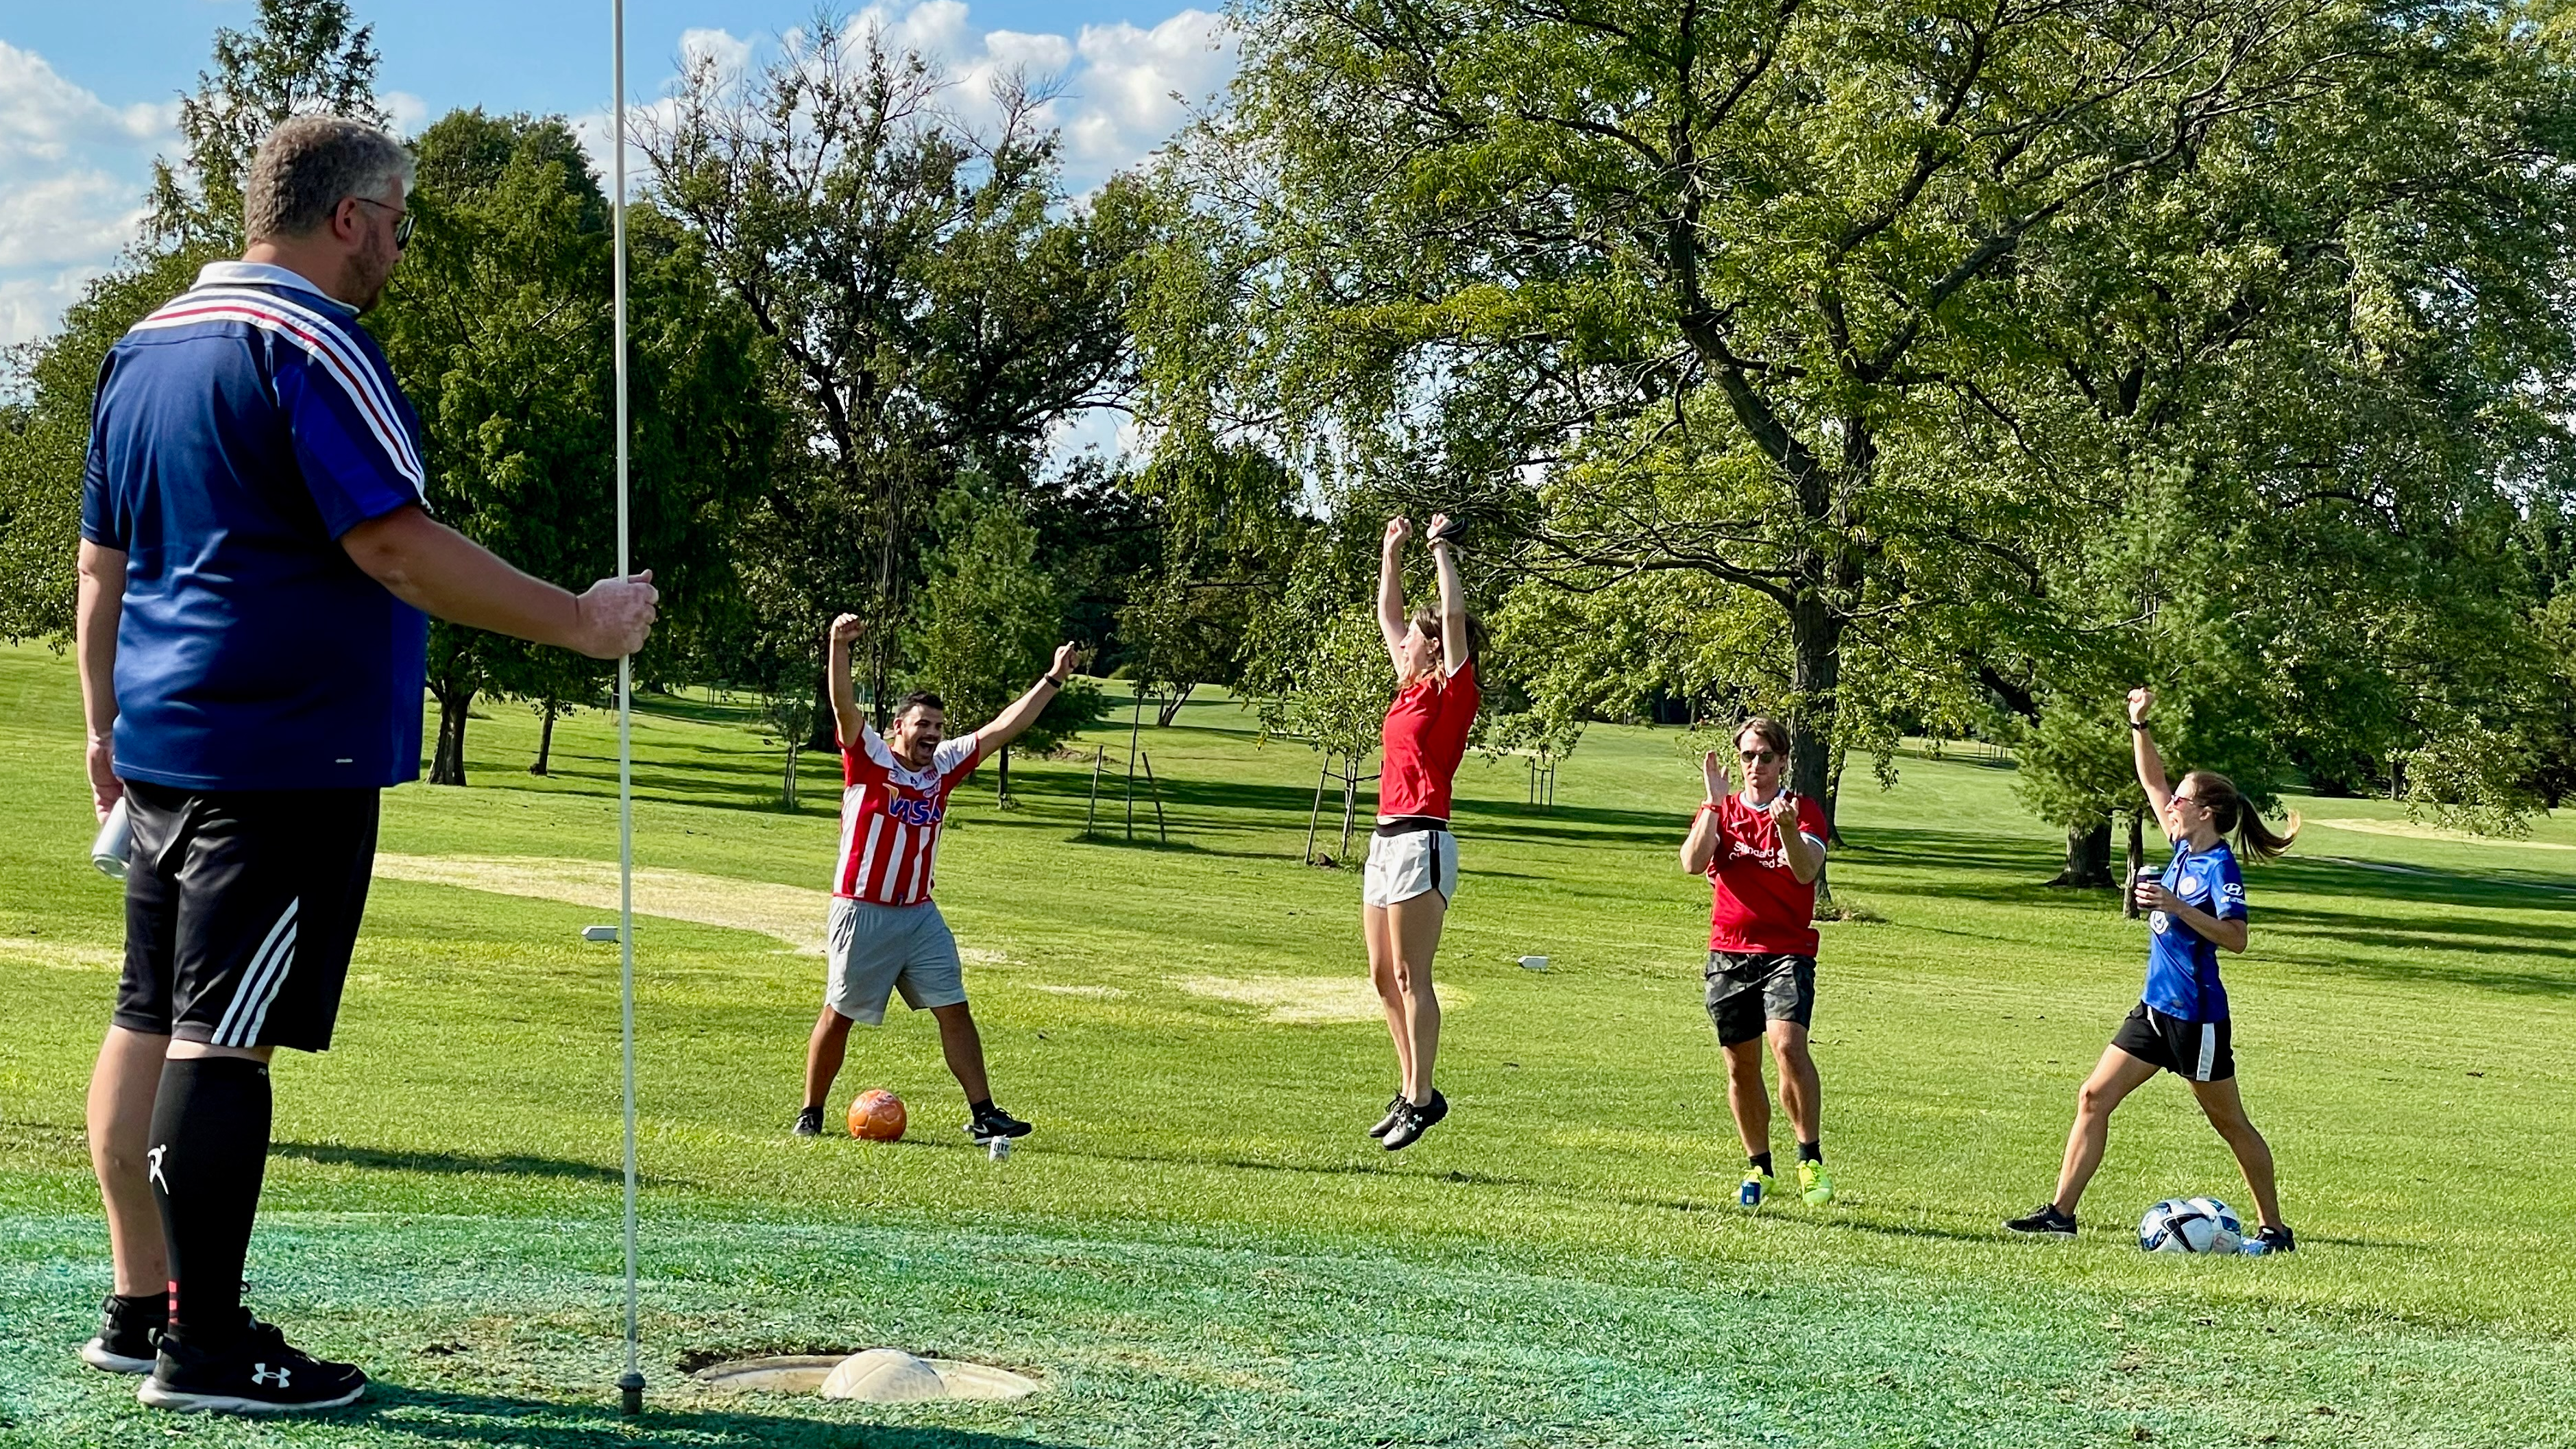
<point x="992" y="1122"/>
<point x="2044" y="1220"/>
<point x="809" y="1122"/>
<point x="257" y="1373"/>
<point x="2273" y="1240"/>
<point x="1394" y="1114"/>
<point x="129" y="1334"/>
<point x="1416" y="1121"/>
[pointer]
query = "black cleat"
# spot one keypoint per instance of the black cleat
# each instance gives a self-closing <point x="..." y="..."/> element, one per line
<point x="257" y="1373"/>
<point x="1416" y="1121"/>
<point x="2272" y="1240"/>
<point x="129" y="1334"/>
<point x="2044" y="1221"/>
<point x="991" y="1123"/>
<point x="1394" y="1114"/>
<point x="809" y="1122"/>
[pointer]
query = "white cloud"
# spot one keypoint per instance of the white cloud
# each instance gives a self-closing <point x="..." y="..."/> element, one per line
<point x="73" y="171"/>
<point x="1135" y="85"/>
<point x="405" y="110"/>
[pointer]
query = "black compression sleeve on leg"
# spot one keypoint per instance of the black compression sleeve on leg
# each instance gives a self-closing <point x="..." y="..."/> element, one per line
<point x="209" y="1149"/>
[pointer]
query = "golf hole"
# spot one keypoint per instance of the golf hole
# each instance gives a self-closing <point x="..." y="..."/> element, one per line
<point x="877" y="1376"/>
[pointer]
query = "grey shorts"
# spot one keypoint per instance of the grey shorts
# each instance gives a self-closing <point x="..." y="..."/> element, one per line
<point x="1748" y="989"/>
<point x="876" y="951"/>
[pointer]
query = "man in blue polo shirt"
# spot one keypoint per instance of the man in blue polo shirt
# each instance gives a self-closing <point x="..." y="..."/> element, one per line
<point x="256" y="574"/>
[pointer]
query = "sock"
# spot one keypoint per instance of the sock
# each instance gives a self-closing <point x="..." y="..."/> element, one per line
<point x="1760" y="1160"/>
<point x="1812" y="1152"/>
<point x="209" y="1149"/>
<point x="980" y="1108"/>
<point x="143" y="1307"/>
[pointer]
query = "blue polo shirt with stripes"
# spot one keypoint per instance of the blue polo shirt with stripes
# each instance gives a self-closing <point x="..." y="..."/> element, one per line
<point x="239" y="431"/>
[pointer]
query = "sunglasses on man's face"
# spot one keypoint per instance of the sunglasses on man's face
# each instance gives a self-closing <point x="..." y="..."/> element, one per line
<point x="1758" y="757"/>
<point x="403" y="219"/>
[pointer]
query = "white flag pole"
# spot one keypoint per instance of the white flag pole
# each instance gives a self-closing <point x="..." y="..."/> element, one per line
<point x="630" y="1386"/>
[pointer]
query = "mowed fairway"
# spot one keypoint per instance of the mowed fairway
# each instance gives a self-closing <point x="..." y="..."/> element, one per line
<point x="1198" y="1247"/>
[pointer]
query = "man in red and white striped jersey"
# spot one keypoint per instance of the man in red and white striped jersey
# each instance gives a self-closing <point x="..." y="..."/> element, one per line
<point x="886" y="934"/>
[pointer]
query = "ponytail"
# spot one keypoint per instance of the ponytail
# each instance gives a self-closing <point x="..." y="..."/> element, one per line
<point x="2233" y="816"/>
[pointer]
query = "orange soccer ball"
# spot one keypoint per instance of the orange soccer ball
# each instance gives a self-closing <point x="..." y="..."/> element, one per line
<point x="877" y="1116"/>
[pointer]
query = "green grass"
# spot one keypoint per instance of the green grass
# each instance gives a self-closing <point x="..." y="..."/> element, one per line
<point x="1198" y="1247"/>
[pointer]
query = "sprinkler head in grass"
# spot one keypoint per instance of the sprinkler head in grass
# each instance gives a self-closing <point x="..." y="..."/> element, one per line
<point x="630" y="1393"/>
<point x="1533" y="963"/>
<point x="599" y="933"/>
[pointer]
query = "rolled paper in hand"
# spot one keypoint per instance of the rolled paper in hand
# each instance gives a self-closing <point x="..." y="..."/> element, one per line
<point x="115" y="840"/>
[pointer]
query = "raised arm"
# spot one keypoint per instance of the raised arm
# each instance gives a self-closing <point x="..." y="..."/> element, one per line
<point x="847" y="721"/>
<point x="439" y="571"/>
<point x="1390" y="590"/>
<point x="1453" y="598"/>
<point x="1700" y="846"/>
<point x="2151" y="766"/>
<point x="101" y="604"/>
<point x="1013" y="722"/>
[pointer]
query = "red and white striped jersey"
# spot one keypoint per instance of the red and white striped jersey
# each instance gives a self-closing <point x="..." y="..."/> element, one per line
<point x="890" y="816"/>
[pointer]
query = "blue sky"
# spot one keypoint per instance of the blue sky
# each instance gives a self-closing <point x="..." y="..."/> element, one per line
<point x="88" y="88"/>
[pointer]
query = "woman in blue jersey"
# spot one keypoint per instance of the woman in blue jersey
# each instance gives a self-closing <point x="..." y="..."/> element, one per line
<point x="2180" y="1023"/>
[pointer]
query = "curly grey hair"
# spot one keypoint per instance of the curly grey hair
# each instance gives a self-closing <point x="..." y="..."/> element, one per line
<point x="308" y="165"/>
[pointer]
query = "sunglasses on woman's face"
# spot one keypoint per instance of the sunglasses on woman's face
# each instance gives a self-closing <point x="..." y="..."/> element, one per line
<point x="1758" y="757"/>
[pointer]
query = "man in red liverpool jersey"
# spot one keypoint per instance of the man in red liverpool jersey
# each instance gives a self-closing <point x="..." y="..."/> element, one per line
<point x="885" y="934"/>
<point x="1413" y="859"/>
<point x="1762" y="850"/>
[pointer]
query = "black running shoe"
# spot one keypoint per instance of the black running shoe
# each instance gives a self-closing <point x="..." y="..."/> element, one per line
<point x="809" y="1122"/>
<point x="1394" y="1114"/>
<point x="2045" y="1221"/>
<point x="258" y="1373"/>
<point x="992" y="1122"/>
<point x="2272" y="1240"/>
<point x="1416" y="1121"/>
<point x="129" y="1334"/>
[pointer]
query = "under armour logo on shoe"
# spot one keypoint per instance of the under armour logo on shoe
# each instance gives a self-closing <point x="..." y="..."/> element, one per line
<point x="157" y="1179"/>
<point x="267" y="1377"/>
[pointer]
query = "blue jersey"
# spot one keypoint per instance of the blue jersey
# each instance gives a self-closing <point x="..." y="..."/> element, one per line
<point x="239" y="431"/>
<point x="2182" y="968"/>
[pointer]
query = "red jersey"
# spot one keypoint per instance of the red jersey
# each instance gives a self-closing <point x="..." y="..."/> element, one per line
<point x="1757" y="904"/>
<point x="1425" y="738"/>
<point x="890" y="815"/>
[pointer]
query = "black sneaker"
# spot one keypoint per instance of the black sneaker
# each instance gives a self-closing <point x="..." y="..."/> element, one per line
<point x="992" y="1122"/>
<point x="2272" y="1240"/>
<point x="809" y="1122"/>
<point x="1394" y="1114"/>
<point x="2045" y="1221"/>
<point x="258" y="1373"/>
<point x="129" y="1334"/>
<point x="1416" y="1121"/>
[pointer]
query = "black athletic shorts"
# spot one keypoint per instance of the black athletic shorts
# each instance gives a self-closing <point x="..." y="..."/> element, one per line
<point x="240" y="909"/>
<point x="1747" y="989"/>
<point x="2197" y="1050"/>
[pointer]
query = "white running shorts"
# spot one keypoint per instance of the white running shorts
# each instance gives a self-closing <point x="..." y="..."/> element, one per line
<point x="1417" y="862"/>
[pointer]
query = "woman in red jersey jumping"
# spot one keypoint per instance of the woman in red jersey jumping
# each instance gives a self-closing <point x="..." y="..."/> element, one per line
<point x="1413" y="859"/>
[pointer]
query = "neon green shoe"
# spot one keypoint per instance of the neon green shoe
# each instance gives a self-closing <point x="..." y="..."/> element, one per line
<point x="1815" y="1184"/>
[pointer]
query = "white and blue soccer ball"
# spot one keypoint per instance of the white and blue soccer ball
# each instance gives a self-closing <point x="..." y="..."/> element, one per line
<point x="2191" y="1225"/>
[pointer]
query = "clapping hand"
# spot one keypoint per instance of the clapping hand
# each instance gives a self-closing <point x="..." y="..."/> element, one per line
<point x="1712" y="769"/>
<point x="1784" y="812"/>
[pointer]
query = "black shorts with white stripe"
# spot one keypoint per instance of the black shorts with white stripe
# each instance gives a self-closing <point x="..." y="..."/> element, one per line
<point x="240" y="910"/>
<point x="2199" y="1051"/>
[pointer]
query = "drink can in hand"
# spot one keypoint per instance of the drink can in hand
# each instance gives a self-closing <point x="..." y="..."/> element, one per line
<point x="114" y="843"/>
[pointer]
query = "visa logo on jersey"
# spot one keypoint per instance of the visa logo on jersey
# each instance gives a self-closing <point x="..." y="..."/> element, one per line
<point x="914" y="812"/>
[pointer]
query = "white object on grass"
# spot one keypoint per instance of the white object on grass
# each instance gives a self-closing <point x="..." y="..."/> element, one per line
<point x="599" y="933"/>
<point x="1000" y="1150"/>
<point x="884" y="1376"/>
<point x="114" y="843"/>
<point x="2190" y="1225"/>
<point x="1534" y="963"/>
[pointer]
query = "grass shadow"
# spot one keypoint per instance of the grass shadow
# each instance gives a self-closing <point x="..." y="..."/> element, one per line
<point x="333" y="1154"/>
<point x="427" y="1415"/>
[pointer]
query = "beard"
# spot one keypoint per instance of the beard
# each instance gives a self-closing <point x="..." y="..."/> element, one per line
<point x="363" y="276"/>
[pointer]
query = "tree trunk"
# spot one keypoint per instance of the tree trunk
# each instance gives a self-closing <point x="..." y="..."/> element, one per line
<point x="1834" y="800"/>
<point x="447" y="763"/>
<point x="2088" y="856"/>
<point x="2137" y="862"/>
<point x="1002" y="768"/>
<point x="1815" y="646"/>
<point x="1164" y="712"/>
<point x="826" y="733"/>
<point x="787" y="795"/>
<point x="545" y="740"/>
